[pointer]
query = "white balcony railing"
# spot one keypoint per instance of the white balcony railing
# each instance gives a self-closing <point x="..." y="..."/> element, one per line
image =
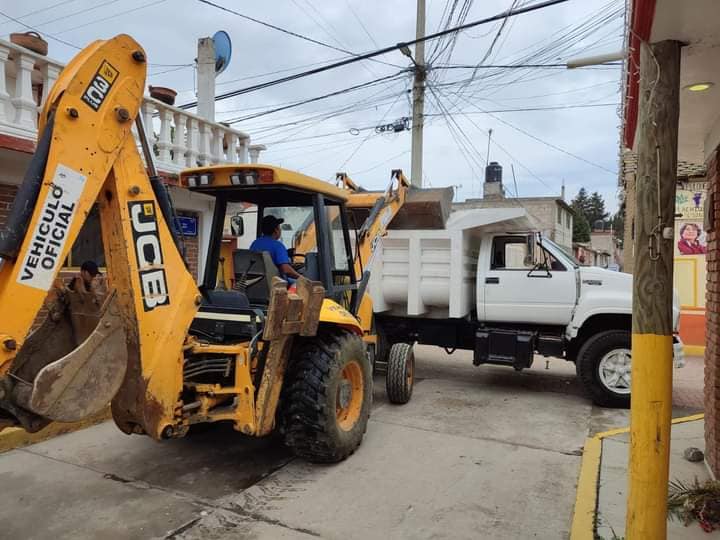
<point x="180" y="139"/>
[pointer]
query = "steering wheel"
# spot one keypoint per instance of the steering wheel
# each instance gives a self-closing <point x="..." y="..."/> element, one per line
<point x="298" y="266"/>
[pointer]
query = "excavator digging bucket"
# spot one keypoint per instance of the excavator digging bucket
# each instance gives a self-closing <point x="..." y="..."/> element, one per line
<point x="427" y="208"/>
<point x="74" y="364"/>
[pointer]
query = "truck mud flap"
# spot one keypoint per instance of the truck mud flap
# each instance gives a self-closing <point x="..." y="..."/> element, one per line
<point x="75" y="362"/>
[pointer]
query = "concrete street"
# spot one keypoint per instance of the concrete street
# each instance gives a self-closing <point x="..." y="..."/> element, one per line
<point x="477" y="453"/>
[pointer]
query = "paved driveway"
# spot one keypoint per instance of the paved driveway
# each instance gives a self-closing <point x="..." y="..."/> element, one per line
<point x="477" y="453"/>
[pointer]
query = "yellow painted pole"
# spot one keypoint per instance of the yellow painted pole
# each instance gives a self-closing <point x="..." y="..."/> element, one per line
<point x="652" y="349"/>
<point x="651" y="414"/>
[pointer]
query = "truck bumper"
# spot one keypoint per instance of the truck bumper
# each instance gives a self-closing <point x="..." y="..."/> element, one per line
<point x="678" y="352"/>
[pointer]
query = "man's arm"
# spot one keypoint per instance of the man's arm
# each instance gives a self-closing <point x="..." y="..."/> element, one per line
<point x="289" y="271"/>
<point x="282" y="261"/>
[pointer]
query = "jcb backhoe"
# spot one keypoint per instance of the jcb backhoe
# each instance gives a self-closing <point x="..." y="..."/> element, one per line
<point x="164" y="351"/>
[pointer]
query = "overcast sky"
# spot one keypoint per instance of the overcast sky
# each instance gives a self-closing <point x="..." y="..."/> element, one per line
<point x="456" y="127"/>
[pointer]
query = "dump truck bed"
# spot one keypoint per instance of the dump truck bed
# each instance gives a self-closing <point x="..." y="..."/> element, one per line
<point x="423" y="272"/>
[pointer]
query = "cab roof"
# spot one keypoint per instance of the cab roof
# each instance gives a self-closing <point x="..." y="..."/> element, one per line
<point x="259" y="184"/>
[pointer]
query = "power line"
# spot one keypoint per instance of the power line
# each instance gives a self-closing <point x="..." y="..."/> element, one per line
<point x="367" y="103"/>
<point x="538" y="139"/>
<point x="125" y="12"/>
<point x="79" y="12"/>
<point x="279" y="29"/>
<point x="375" y="53"/>
<point x="359" y="20"/>
<point x="314" y="99"/>
<point x="530" y="109"/>
<point x="508" y="66"/>
<point x="35" y="12"/>
<point x="354" y="173"/>
<point x="76" y="47"/>
<point x="59" y="40"/>
<point x="324" y="25"/>
<point x="269" y="25"/>
<point x="341" y="167"/>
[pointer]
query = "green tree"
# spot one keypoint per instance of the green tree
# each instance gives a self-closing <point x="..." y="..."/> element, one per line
<point x="581" y="201"/>
<point x="595" y="210"/>
<point x="581" y="228"/>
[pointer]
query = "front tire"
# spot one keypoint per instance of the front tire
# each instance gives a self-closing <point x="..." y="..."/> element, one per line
<point x="327" y="397"/>
<point x="603" y="366"/>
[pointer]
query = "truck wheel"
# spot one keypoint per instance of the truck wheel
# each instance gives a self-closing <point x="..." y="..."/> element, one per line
<point x="327" y="397"/>
<point x="400" y="373"/>
<point x="603" y="365"/>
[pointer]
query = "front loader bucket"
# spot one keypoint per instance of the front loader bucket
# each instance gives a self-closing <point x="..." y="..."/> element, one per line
<point x="427" y="208"/>
<point x="73" y="365"/>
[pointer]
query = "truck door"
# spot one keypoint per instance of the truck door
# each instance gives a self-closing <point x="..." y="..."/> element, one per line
<point x="519" y="288"/>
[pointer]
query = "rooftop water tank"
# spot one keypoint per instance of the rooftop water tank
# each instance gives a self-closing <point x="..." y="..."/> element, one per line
<point x="493" y="172"/>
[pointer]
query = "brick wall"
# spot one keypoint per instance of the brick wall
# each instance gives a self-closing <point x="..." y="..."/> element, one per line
<point x="7" y="195"/>
<point x="712" y="349"/>
<point x="191" y="246"/>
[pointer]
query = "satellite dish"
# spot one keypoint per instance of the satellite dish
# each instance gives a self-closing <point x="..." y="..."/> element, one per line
<point x="223" y="51"/>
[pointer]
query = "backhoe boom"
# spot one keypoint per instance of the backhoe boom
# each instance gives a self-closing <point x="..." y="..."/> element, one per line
<point x="59" y="372"/>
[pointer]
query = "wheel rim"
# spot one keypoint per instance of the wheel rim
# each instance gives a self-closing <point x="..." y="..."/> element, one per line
<point x="410" y="370"/>
<point x="349" y="399"/>
<point x="615" y="371"/>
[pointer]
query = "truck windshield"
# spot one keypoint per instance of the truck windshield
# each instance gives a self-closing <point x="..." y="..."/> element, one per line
<point x="561" y="253"/>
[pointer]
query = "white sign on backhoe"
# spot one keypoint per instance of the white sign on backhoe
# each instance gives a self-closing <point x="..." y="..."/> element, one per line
<point x="44" y="252"/>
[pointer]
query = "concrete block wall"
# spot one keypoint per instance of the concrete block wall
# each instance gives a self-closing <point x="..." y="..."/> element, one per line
<point x="712" y="349"/>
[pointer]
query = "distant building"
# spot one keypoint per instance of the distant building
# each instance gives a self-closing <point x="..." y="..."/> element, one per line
<point x="603" y="250"/>
<point x="551" y="215"/>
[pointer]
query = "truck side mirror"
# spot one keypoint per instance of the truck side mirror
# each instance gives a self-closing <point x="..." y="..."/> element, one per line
<point x="237" y="225"/>
<point x="530" y="256"/>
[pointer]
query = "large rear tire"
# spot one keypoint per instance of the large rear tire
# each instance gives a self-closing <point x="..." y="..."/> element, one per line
<point x="327" y="396"/>
<point x="400" y="377"/>
<point x="603" y="366"/>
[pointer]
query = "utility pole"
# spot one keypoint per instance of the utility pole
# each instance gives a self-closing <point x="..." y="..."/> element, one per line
<point x="416" y="178"/>
<point x="206" y="79"/>
<point x="652" y="348"/>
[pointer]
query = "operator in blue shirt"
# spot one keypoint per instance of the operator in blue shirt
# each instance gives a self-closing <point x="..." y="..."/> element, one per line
<point x="270" y="227"/>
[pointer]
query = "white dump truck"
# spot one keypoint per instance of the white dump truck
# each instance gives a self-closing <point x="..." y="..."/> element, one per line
<point x="490" y="284"/>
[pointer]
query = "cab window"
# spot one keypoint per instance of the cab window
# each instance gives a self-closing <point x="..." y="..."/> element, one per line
<point x="511" y="253"/>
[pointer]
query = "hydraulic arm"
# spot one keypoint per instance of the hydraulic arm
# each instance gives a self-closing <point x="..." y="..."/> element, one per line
<point x="86" y="155"/>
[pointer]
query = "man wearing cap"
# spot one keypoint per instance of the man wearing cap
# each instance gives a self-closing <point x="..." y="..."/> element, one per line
<point x="269" y="241"/>
<point x="86" y="281"/>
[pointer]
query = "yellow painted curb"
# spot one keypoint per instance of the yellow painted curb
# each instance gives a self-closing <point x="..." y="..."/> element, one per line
<point x="694" y="350"/>
<point x="584" y="514"/>
<point x="11" y="438"/>
<point x="583" y="525"/>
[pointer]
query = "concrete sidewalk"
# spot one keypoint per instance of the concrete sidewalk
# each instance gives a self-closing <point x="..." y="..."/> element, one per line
<point x="612" y="495"/>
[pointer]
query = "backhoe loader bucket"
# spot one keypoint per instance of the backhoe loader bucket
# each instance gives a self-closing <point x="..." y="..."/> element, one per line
<point x="74" y="363"/>
<point x="427" y="208"/>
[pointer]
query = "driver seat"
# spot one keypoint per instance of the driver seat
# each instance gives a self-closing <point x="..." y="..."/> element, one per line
<point x="258" y="271"/>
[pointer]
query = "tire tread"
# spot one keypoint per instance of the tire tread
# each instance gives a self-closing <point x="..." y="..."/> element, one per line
<point x="305" y="414"/>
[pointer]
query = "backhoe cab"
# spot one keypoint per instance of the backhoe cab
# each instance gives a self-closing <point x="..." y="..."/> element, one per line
<point x="315" y="232"/>
<point x="165" y="353"/>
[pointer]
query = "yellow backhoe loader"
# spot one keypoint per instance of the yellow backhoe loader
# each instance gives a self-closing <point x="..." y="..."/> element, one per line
<point x="164" y="351"/>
